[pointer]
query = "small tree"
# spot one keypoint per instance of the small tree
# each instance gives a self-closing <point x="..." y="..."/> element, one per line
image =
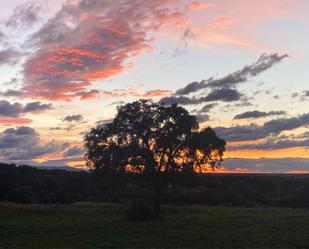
<point x="155" y="141"/>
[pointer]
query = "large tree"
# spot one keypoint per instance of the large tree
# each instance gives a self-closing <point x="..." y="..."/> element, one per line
<point x="153" y="140"/>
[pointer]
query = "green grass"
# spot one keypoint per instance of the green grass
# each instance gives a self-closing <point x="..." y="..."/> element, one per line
<point x="84" y="226"/>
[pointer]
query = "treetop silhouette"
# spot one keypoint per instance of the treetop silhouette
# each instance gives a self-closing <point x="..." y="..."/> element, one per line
<point x="155" y="141"/>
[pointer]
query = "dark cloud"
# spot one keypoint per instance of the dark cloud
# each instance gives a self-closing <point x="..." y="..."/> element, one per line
<point x="74" y="151"/>
<point x="181" y="100"/>
<point x="206" y="108"/>
<point x="25" y="15"/>
<point x="37" y="107"/>
<point x="258" y="114"/>
<point x="73" y="118"/>
<point x="11" y="93"/>
<point x="10" y="110"/>
<point x="294" y="95"/>
<point x="202" y="117"/>
<point x="202" y="114"/>
<point x="305" y="93"/>
<point x="23" y="143"/>
<point x="15" y="110"/>
<point x="253" y="131"/>
<point x="223" y="89"/>
<point x="271" y="165"/>
<point x="265" y="62"/>
<point x="226" y="95"/>
<point x="302" y="96"/>
<point x="9" y="56"/>
<point x="193" y="87"/>
<point x="103" y="122"/>
<point x="273" y="144"/>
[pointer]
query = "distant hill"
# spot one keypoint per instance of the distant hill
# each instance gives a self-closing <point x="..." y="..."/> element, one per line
<point x="66" y="168"/>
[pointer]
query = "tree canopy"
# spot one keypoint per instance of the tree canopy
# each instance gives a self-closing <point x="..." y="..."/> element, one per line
<point x="154" y="140"/>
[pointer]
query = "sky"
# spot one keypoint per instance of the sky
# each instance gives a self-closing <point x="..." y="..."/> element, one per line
<point x="240" y="66"/>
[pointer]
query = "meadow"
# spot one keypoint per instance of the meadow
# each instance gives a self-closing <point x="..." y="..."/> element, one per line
<point x="92" y="225"/>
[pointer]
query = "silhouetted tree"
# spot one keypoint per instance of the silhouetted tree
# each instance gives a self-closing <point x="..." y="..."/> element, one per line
<point x="155" y="141"/>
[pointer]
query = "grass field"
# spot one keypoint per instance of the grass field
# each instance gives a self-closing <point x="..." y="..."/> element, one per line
<point x="104" y="226"/>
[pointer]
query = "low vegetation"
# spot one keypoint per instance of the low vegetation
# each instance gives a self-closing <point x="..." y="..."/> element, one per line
<point x="88" y="226"/>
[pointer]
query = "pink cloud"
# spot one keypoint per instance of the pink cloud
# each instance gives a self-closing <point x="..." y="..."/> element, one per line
<point x="221" y="22"/>
<point x="9" y="121"/>
<point x="88" y="42"/>
<point x="157" y="93"/>
<point x="199" y="5"/>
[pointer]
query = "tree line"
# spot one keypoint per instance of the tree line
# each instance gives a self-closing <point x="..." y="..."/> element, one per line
<point x="28" y="185"/>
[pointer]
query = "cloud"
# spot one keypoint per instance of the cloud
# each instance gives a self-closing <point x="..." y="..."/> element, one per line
<point x="36" y="107"/>
<point x="11" y="93"/>
<point x="73" y="118"/>
<point x="88" y="95"/>
<point x="157" y="93"/>
<point x="264" y="62"/>
<point x="222" y="94"/>
<point x="130" y="92"/>
<point x="9" y="56"/>
<point x="88" y="41"/>
<point x="253" y="131"/>
<point x="182" y="47"/>
<point x="196" y="5"/>
<point x="273" y="144"/>
<point x="9" y="121"/>
<point x="55" y="128"/>
<point x="23" y="143"/>
<point x="222" y="89"/>
<point x="74" y="151"/>
<point x="220" y="22"/>
<point x="117" y="103"/>
<point x="258" y="114"/>
<point x="15" y="110"/>
<point x="25" y="15"/>
<point x="202" y="117"/>
<point x="270" y="165"/>
<point x="305" y="93"/>
<point x="2" y="37"/>
<point x="206" y="108"/>
<point x="202" y="114"/>
<point x="303" y="96"/>
<point x="10" y="110"/>
<point x="181" y="100"/>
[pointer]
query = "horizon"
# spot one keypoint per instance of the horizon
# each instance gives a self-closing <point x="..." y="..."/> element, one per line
<point x="240" y="68"/>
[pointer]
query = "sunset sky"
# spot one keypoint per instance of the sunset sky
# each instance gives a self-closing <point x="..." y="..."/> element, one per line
<point x="241" y="66"/>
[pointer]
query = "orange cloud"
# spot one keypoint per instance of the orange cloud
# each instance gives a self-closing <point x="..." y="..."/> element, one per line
<point x="9" y="121"/>
<point x="301" y="152"/>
